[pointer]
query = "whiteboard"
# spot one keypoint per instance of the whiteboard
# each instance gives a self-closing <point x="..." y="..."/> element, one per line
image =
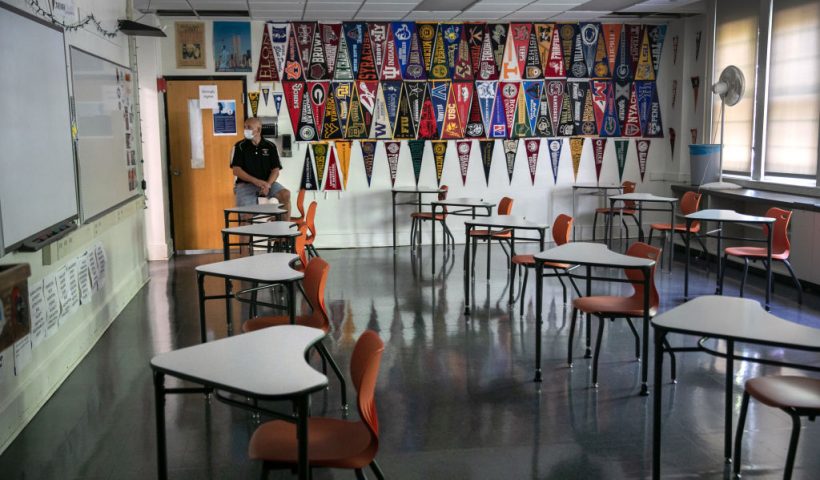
<point x="106" y="159"/>
<point x="37" y="181"/>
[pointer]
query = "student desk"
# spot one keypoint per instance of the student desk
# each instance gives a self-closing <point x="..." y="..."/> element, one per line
<point x="733" y="320"/>
<point x="268" y="364"/>
<point x="265" y="231"/>
<point x="254" y="213"/>
<point x="640" y="199"/>
<point x="592" y="189"/>
<point x="418" y="192"/>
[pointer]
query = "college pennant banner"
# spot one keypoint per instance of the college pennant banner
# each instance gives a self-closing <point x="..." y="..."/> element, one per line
<point x="334" y="181"/>
<point x="342" y="92"/>
<point x="510" y="151"/>
<point x="451" y="128"/>
<point x="354" y="38"/>
<point x="621" y="149"/>
<point x="509" y="99"/>
<point x="378" y="42"/>
<point x="438" y="94"/>
<point x="416" y="156"/>
<point x="294" y="93"/>
<point x="463" y="149"/>
<point x="632" y="122"/>
<point x="657" y="33"/>
<point x="588" y="125"/>
<point x="695" y="89"/>
<point x="392" y="150"/>
<point x="487" y="68"/>
<point x="498" y="42"/>
<point x="589" y="46"/>
<point x="451" y="33"/>
<point x="381" y="128"/>
<point x="266" y="95"/>
<point x="543" y="38"/>
<point x="487" y="157"/>
<point x="578" y="65"/>
<point x="532" y="97"/>
<point x="643" y="154"/>
<point x="463" y="69"/>
<point x="392" y="96"/>
<point x="498" y="124"/>
<point x="598" y="149"/>
<point x="644" y="70"/>
<point x="368" y="155"/>
<point x="278" y="36"/>
<point x="554" y="147"/>
<point x="439" y="68"/>
<point x="439" y="151"/>
<point x="367" y="90"/>
<point x="521" y="34"/>
<point x="649" y="112"/>
<point x="320" y="156"/>
<point x="566" y="124"/>
<point x="533" y="68"/>
<point x="672" y="136"/>
<point x="474" y="33"/>
<point x="253" y="99"/>
<point x="566" y="33"/>
<point x="555" y="61"/>
<point x="391" y="69"/>
<point x="317" y="69"/>
<point x="674" y="92"/>
<point x="675" y="50"/>
<point x="308" y="174"/>
<point x="543" y="124"/>
<point x="367" y="64"/>
<point x="317" y="91"/>
<point x="555" y="91"/>
<point x="600" y="91"/>
<point x="416" y="93"/>
<point x="304" y="33"/>
<point x="427" y="127"/>
<point x="532" y="145"/>
<point x="521" y="121"/>
<point x="622" y="71"/>
<point x="277" y="101"/>
<point x="610" y="126"/>
<point x="356" y="121"/>
<point x="343" y="152"/>
<point x="267" y="70"/>
<point x="463" y="98"/>
<point x="486" y="92"/>
<point x="510" y="68"/>
<point x="330" y="122"/>
<point x="343" y="70"/>
<point x="623" y="91"/>
<point x="576" y="146"/>
<point x="475" y="123"/>
<point x="330" y="33"/>
<point x="402" y="33"/>
<point x="634" y="38"/>
<point x="293" y="64"/>
<point x="427" y="38"/>
<point x="611" y="35"/>
<point x="601" y="68"/>
<point x="414" y="69"/>
<point x="403" y="128"/>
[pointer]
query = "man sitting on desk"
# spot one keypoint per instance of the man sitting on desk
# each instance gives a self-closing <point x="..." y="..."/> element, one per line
<point x="255" y="162"/>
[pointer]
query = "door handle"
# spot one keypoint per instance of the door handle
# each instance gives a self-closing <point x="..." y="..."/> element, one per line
<point x="175" y="172"/>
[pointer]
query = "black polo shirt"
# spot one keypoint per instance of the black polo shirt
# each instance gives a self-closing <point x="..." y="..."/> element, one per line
<point x="256" y="160"/>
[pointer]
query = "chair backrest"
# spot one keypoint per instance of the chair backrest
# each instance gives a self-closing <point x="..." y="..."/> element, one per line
<point x="300" y="203"/>
<point x="442" y="195"/>
<point x="780" y="239"/>
<point x="644" y="250"/>
<point x="299" y="246"/>
<point x="314" y="283"/>
<point x="689" y="203"/>
<point x="309" y="221"/>
<point x="364" y="370"/>
<point x="561" y="229"/>
<point x="505" y="206"/>
<point x="629" y="187"/>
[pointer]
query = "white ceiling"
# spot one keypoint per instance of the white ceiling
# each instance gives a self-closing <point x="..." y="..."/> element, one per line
<point x="563" y="10"/>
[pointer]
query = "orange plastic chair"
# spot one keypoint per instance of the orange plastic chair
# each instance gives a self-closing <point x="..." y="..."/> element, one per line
<point x="504" y="208"/>
<point x="310" y="218"/>
<point x="314" y="289"/>
<point x="561" y="230"/>
<point x="332" y="443"/>
<point x="780" y="250"/>
<point x="689" y="203"/>
<point x="608" y="212"/>
<point x="300" y="249"/>
<point x="300" y="206"/>
<point x="612" y="307"/>
<point x="419" y="217"/>
<point x="797" y="396"/>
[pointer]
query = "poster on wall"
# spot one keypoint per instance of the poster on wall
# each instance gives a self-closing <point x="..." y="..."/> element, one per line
<point x="225" y="117"/>
<point x="232" y="46"/>
<point x="190" y="44"/>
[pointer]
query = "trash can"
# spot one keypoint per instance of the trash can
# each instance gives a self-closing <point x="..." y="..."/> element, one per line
<point x="704" y="163"/>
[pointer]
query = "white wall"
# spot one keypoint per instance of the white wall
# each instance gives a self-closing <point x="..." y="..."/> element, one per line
<point x="121" y="233"/>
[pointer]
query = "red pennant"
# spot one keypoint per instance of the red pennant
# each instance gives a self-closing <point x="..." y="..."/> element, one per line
<point x="464" y="95"/>
<point x="632" y="124"/>
<point x="333" y="180"/>
<point x="303" y="33"/>
<point x="330" y="33"/>
<point x="294" y="94"/>
<point x="520" y="33"/>
<point x="532" y="145"/>
<point x="555" y="63"/>
<point x="428" y="129"/>
<point x="463" y="70"/>
<point x="451" y="128"/>
<point x="509" y="98"/>
<point x="392" y="149"/>
<point x="463" y="148"/>
<point x="598" y="148"/>
<point x="643" y="154"/>
<point x="475" y="37"/>
<point x="555" y="93"/>
<point x="488" y="68"/>
<point x="318" y="100"/>
<point x="600" y="92"/>
<point x="391" y="70"/>
<point x="267" y="71"/>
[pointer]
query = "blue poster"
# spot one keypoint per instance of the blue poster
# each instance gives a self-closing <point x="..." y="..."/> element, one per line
<point x="225" y="117"/>
<point x="232" y="46"/>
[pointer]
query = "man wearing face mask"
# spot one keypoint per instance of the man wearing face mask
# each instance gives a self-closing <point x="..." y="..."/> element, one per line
<point x="255" y="162"/>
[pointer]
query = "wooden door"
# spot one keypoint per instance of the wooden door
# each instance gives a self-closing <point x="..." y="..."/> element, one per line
<point x="200" y="191"/>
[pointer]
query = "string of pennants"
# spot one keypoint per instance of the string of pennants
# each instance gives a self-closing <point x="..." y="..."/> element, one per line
<point x="431" y="81"/>
<point x="327" y="164"/>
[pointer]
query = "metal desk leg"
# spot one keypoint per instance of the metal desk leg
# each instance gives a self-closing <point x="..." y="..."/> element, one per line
<point x="228" y="309"/>
<point x="226" y="247"/>
<point x="418" y="209"/>
<point x="200" y="282"/>
<point x="302" y="408"/>
<point x="159" y="402"/>
<point x="539" y="302"/>
<point x="727" y="412"/>
<point x="227" y="218"/>
<point x="609" y="226"/>
<point x="433" y="230"/>
<point x="394" y="221"/>
<point x="291" y="302"/>
<point x="688" y="239"/>
<point x="588" y="351"/>
<point x="657" y="404"/>
<point x="640" y="221"/>
<point x="467" y="272"/>
<point x="671" y="235"/>
<point x="573" y="213"/>
<point x="769" y="239"/>
<point x="718" y="285"/>
<point x="645" y="340"/>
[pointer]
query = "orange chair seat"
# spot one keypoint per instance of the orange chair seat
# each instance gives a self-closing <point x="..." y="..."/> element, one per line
<point x="782" y="391"/>
<point x="428" y="215"/>
<point x="679" y="227"/>
<point x="627" y="211"/>
<point x="331" y="443"/>
<point x="755" y="252"/>
<point x="259" y="323"/>
<point x="494" y="234"/>
<point x="606" y="305"/>
<point x="529" y="261"/>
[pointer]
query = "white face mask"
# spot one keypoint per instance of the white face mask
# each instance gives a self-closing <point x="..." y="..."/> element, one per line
<point x="249" y="134"/>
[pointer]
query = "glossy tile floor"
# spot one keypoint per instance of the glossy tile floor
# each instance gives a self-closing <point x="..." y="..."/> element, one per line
<point x="455" y="396"/>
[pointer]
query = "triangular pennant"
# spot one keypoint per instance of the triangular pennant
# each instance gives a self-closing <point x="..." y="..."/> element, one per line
<point x="475" y="124"/>
<point x="543" y="123"/>
<point x="451" y="34"/>
<point x="532" y="95"/>
<point x="600" y="92"/>
<point x="487" y="157"/>
<point x="378" y="42"/>
<point x="279" y="34"/>
<point x="532" y="67"/>
<point x="463" y="68"/>
<point x="354" y="33"/>
<point x="293" y="63"/>
<point x="367" y="64"/>
<point x="621" y="149"/>
<point x="438" y="94"/>
<point x="588" y="125"/>
<point x="343" y="152"/>
<point x="567" y="33"/>
<point x="486" y="92"/>
<point x="674" y="92"/>
<point x="266" y="94"/>
<point x="498" y="124"/>
<point x="675" y="50"/>
<point x="402" y="33"/>
<point x="622" y="71"/>
<point x="518" y="42"/>
<point x="306" y="129"/>
<point x="672" y="136"/>
<point x="509" y="63"/>
<point x="657" y="33"/>
<point x="632" y="122"/>
<point x="368" y="154"/>
<point x="416" y="156"/>
<point x="304" y="33"/>
<point x="381" y="127"/>
<point x="598" y="149"/>
<point x="439" y="152"/>
<point x="543" y="37"/>
<point x="474" y="33"/>
<point x="697" y="44"/>
<point x="695" y="89"/>
<point x="509" y="98"/>
<point x="427" y="40"/>
<point x="330" y="34"/>
<point x="566" y="124"/>
<point x="643" y="89"/>
<point x="532" y="145"/>
<point x="463" y="148"/>
<point x="463" y="92"/>
<point x="601" y="69"/>
<point x="317" y="70"/>
<point x="643" y="155"/>
<point x="294" y="93"/>
<point x="555" y="90"/>
<point x="611" y="33"/>
<point x="392" y="96"/>
<point x="416" y="93"/>
<point x="498" y="40"/>
<point x="356" y="122"/>
<point x="308" y="174"/>
<point x="277" y="101"/>
<point x="414" y="68"/>
<point x="392" y="150"/>
<point x="623" y="93"/>
<point x="343" y="70"/>
<point x="554" y="147"/>
<point x="555" y="61"/>
<point x="439" y="68"/>
<point x="576" y="146"/>
<point x="342" y="92"/>
<point x="578" y="92"/>
<point x="427" y="127"/>
<point x="334" y="181"/>
<point x="487" y="69"/>
<point x="318" y="101"/>
<point x="644" y="70"/>
<point x="578" y="66"/>
<point x="610" y="126"/>
<point x="510" y="151"/>
<point x="694" y="135"/>
<point x="367" y="90"/>
<point x="253" y="99"/>
<point x="654" y="126"/>
<point x="320" y="156"/>
<point x="331" y="129"/>
<point x="404" y="128"/>
<point x="634" y="38"/>
<point x="451" y="128"/>
<point x="391" y="70"/>
<point x="267" y="71"/>
<point x="521" y="121"/>
<point x="589" y="46"/>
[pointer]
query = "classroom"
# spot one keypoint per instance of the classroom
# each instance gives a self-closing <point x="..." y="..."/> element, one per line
<point x="409" y="239"/>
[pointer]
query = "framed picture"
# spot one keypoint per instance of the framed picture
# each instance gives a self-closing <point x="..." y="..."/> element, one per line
<point x="232" y="46"/>
<point x="190" y="44"/>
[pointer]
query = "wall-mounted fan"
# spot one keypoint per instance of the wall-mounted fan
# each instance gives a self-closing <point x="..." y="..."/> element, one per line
<point x="729" y="88"/>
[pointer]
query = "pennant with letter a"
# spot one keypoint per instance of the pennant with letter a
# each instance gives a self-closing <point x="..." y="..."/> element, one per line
<point x="644" y="69"/>
<point x="253" y="99"/>
<point x="487" y="157"/>
<point x="331" y="129"/>
<point x="330" y="34"/>
<point x="438" y="94"/>
<point x="475" y="123"/>
<point x="392" y="149"/>
<point x="632" y="123"/>
<point x="695" y="89"/>
<point x="643" y="154"/>
<point x="380" y="127"/>
<point x="510" y="150"/>
<point x="320" y="155"/>
<point x="403" y="128"/>
<point x="576" y="147"/>
<point x="278" y="34"/>
<point x="343" y="152"/>
<point x="463" y="149"/>
<point x="611" y="34"/>
<point x="334" y="181"/>
<point x="598" y="149"/>
<point x="416" y="155"/>
<point x="267" y="71"/>
<point x="318" y="100"/>
<point x="486" y="92"/>
<point x="277" y="101"/>
<point x="543" y="124"/>
<point x="378" y="40"/>
<point x="554" y="147"/>
<point x="439" y="152"/>
<point x="308" y="174"/>
<point x="293" y="64"/>
<point x="487" y="68"/>
<point x="656" y="35"/>
<point x="621" y="149"/>
<point x="294" y="94"/>
<point x="368" y="155"/>
<point x="532" y="145"/>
